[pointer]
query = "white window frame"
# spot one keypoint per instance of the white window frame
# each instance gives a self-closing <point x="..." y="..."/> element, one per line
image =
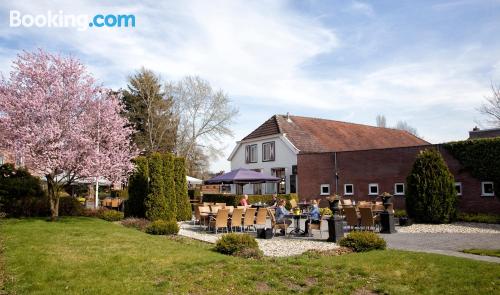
<point x="370" y="190"/>
<point x="396" y="193"/>
<point x="345" y="190"/>
<point x="272" y="153"/>
<point x="321" y="189"/>
<point x="483" y="193"/>
<point x="459" y="184"/>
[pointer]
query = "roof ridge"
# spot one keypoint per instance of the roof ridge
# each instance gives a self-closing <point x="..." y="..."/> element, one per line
<point x="345" y="122"/>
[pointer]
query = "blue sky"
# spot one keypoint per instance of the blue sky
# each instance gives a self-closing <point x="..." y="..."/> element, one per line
<point x="427" y="62"/>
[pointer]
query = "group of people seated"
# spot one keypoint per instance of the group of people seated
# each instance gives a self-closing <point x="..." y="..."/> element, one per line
<point x="281" y="212"/>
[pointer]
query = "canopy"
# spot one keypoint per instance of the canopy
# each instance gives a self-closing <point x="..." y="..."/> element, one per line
<point x="193" y="180"/>
<point x="242" y="176"/>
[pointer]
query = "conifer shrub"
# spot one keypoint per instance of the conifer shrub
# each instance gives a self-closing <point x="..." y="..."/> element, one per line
<point x="138" y="189"/>
<point x="431" y="195"/>
<point x="183" y="205"/>
<point x="156" y="203"/>
<point x="169" y="185"/>
<point x="242" y="245"/>
<point x="362" y="241"/>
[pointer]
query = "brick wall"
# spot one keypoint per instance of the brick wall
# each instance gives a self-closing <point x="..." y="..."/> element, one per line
<point x="385" y="167"/>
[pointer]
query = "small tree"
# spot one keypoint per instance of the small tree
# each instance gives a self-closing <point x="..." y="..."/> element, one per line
<point x="181" y="189"/>
<point x="431" y="195"/>
<point x="138" y="189"/>
<point x="169" y="184"/>
<point x="156" y="203"/>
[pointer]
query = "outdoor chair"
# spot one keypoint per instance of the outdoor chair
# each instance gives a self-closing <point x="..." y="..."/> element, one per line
<point x="368" y="221"/>
<point x="204" y="210"/>
<point x="115" y="203"/>
<point x="378" y="207"/>
<point x="249" y="218"/>
<point x="364" y="204"/>
<point x="347" y="202"/>
<point x="208" y="203"/>
<point x="220" y="220"/>
<point x="222" y="205"/>
<point x="230" y="209"/>
<point x="277" y="225"/>
<point x="351" y="217"/>
<point x="317" y="226"/>
<point x="261" y="217"/>
<point x="214" y="208"/>
<point x="236" y="219"/>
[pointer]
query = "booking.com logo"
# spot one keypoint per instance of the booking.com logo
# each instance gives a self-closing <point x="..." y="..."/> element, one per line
<point x="80" y="21"/>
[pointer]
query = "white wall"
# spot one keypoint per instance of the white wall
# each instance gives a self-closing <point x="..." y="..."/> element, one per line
<point x="285" y="157"/>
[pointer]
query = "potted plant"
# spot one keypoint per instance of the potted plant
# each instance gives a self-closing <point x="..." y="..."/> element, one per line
<point x="402" y="217"/>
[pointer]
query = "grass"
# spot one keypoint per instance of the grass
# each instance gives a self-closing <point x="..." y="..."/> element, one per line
<point x="483" y="252"/>
<point x="81" y="255"/>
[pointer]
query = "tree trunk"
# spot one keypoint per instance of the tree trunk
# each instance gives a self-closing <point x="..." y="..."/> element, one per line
<point x="53" y="194"/>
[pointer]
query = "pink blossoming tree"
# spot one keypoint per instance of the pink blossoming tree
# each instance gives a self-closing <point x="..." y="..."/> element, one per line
<point x="65" y="126"/>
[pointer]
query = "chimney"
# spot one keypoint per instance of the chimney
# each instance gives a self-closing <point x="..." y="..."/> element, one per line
<point x="475" y="128"/>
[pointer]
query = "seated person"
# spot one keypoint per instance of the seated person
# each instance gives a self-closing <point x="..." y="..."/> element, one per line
<point x="281" y="212"/>
<point x="314" y="216"/>
<point x="274" y="201"/>
<point x="244" y="201"/>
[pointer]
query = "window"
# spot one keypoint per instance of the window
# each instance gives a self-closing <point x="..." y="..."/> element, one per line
<point x="280" y="172"/>
<point x="373" y="189"/>
<point x="325" y="189"/>
<point x="458" y="188"/>
<point x="348" y="189"/>
<point x="487" y="189"/>
<point x="251" y="153"/>
<point x="399" y="188"/>
<point x="268" y="151"/>
<point x="293" y="184"/>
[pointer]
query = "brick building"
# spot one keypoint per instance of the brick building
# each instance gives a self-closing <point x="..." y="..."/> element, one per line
<point x="316" y="158"/>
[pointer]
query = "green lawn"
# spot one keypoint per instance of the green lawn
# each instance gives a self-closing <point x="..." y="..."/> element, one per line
<point x="483" y="252"/>
<point x="92" y="256"/>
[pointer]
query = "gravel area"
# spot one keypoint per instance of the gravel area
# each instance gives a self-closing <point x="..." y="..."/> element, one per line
<point x="278" y="246"/>
<point x="457" y="227"/>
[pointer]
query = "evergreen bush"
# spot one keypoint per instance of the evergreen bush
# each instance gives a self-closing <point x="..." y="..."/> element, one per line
<point x="237" y="244"/>
<point x="111" y="215"/>
<point x="431" y="195"/>
<point x="138" y="189"/>
<point x="156" y="203"/>
<point x="363" y="241"/>
<point x="162" y="227"/>
<point x="183" y="205"/>
<point x="169" y="185"/>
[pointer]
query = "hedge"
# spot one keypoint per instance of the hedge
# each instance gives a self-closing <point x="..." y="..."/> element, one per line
<point x="156" y="203"/>
<point x="479" y="156"/>
<point x="169" y="185"/>
<point x="138" y="189"/>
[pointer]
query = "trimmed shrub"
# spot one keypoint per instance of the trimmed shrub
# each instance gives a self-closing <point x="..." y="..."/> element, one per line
<point x="363" y="241"/>
<point x="254" y="253"/>
<point x="69" y="206"/>
<point x="156" y="203"/>
<point x="431" y="195"/>
<point x="169" y="185"/>
<point x="236" y="244"/>
<point x="137" y="223"/>
<point x="162" y="227"/>
<point x="479" y="217"/>
<point x="21" y="194"/>
<point x="111" y="215"/>
<point x="181" y="189"/>
<point x="400" y="213"/>
<point x="138" y="189"/>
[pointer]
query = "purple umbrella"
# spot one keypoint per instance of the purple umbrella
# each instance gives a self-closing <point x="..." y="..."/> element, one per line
<point x="242" y="176"/>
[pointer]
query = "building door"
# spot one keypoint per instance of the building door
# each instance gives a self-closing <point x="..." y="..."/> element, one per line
<point x="280" y="172"/>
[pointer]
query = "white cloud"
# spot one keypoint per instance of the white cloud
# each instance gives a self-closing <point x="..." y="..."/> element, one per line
<point x="362" y="7"/>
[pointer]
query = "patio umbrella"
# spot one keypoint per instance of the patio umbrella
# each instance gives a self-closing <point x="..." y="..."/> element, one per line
<point x="242" y="176"/>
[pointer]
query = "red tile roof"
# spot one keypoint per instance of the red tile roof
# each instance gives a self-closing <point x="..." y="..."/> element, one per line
<point x="321" y="135"/>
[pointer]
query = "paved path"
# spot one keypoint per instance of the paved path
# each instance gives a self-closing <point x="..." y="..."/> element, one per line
<point x="445" y="243"/>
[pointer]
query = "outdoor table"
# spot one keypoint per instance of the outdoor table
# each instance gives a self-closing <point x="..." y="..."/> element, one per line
<point x="259" y="205"/>
<point x="297" y="217"/>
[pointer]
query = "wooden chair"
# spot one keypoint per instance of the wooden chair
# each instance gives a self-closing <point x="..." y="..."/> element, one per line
<point x="214" y="208"/>
<point x="351" y="217"/>
<point x="236" y="219"/>
<point x="249" y="218"/>
<point x="317" y="226"/>
<point x="368" y="221"/>
<point x="261" y="217"/>
<point x="277" y="225"/>
<point x="220" y="221"/>
<point x="242" y="207"/>
<point x="208" y="203"/>
<point x="204" y="210"/>
<point x="364" y="204"/>
<point x="222" y="205"/>
<point x="346" y="202"/>
<point x="230" y="208"/>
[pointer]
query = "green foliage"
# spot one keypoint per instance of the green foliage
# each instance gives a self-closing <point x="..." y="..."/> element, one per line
<point x="479" y="156"/>
<point x="181" y="189"/>
<point x="400" y="213"/>
<point x="169" y="185"/>
<point x="233" y="200"/>
<point x="156" y="203"/>
<point x="238" y="244"/>
<point x="483" y="252"/>
<point x="162" y="227"/>
<point x="138" y="189"/>
<point x="479" y="217"/>
<point x="431" y="195"/>
<point x="21" y="194"/>
<point x="137" y="223"/>
<point x="69" y="206"/>
<point x="363" y="241"/>
<point x="111" y="215"/>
